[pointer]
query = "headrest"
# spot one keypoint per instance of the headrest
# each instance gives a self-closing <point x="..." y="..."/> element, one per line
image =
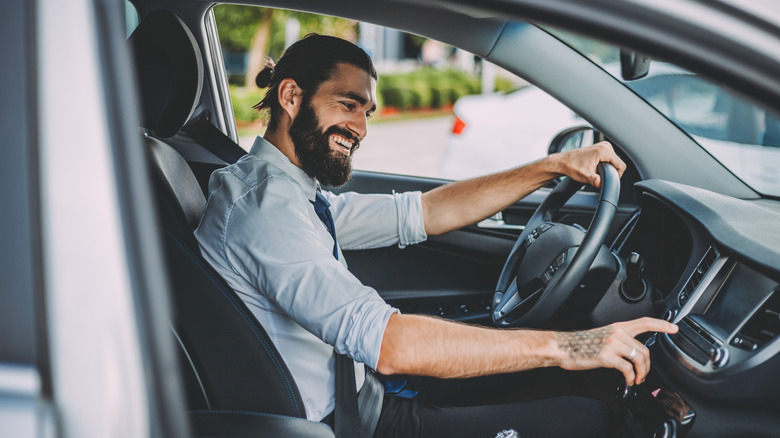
<point x="170" y="72"/>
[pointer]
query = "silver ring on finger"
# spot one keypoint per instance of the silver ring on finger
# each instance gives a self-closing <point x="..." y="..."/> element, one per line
<point x="632" y="355"/>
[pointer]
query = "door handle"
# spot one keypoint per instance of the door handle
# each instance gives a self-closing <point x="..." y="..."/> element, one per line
<point x="496" y="222"/>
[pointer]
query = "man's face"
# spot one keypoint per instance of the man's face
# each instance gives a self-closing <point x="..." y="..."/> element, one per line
<point x="331" y="123"/>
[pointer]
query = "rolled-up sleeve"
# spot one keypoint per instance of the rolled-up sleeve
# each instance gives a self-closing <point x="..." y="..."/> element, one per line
<point x="411" y="228"/>
<point x="365" y="221"/>
<point x="298" y="272"/>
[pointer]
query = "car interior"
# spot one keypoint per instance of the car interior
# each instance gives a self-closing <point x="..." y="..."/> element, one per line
<point x="685" y="241"/>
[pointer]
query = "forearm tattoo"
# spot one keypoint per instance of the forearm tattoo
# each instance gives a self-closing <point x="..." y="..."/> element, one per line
<point x="585" y="344"/>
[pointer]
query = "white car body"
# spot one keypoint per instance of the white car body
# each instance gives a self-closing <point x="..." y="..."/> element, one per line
<point x="503" y="130"/>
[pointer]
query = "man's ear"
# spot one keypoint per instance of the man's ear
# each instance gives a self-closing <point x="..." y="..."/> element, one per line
<point x="290" y="96"/>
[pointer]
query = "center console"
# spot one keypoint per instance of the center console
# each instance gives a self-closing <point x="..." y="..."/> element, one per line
<point x="655" y="410"/>
<point x="727" y="346"/>
<point x="728" y="312"/>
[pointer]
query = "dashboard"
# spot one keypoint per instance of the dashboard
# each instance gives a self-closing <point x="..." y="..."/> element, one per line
<point x="712" y="264"/>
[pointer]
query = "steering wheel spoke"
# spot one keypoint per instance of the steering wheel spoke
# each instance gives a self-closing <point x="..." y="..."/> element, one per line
<point x="503" y="307"/>
<point x="518" y="299"/>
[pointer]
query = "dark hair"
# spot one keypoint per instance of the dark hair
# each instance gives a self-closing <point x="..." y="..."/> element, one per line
<point x="309" y="62"/>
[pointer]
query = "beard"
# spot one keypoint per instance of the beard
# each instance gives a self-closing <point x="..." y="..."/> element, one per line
<point x="312" y="147"/>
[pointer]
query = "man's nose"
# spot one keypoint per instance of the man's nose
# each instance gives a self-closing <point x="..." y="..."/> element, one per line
<point x="358" y="125"/>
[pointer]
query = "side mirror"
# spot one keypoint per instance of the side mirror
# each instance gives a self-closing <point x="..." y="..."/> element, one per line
<point x="633" y="65"/>
<point x="574" y="138"/>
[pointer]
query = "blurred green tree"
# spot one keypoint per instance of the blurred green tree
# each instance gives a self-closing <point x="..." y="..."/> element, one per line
<point x="261" y="32"/>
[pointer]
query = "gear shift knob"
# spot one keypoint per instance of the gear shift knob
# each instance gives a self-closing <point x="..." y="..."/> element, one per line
<point x="633" y="287"/>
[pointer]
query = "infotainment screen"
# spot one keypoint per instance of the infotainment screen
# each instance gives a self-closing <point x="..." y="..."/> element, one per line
<point x="743" y="292"/>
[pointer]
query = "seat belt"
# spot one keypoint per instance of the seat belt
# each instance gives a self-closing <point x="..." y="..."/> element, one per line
<point x="214" y="140"/>
<point x="345" y="421"/>
<point x="370" y="399"/>
<point x="356" y="416"/>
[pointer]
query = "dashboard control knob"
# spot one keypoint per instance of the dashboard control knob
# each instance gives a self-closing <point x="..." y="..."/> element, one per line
<point x="719" y="356"/>
<point x="667" y="430"/>
<point x="633" y="287"/>
<point x="670" y="314"/>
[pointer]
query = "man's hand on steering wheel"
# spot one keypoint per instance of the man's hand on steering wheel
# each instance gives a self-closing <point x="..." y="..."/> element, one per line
<point x="612" y="346"/>
<point x="580" y="164"/>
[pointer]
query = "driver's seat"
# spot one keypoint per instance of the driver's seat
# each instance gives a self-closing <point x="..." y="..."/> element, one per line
<point x="237" y="383"/>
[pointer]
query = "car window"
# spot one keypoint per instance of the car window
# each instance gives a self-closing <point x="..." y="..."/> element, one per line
<point x="741" y="135"/>
<point x="442" y="112"/>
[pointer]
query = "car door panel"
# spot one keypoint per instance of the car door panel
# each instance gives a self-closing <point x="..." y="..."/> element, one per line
<point x="427" y="279"/>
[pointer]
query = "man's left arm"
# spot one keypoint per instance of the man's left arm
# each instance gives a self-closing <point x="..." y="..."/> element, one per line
<point x="463" y="203"/>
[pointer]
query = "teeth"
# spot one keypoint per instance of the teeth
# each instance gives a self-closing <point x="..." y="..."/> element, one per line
<point x="342" y="141"/>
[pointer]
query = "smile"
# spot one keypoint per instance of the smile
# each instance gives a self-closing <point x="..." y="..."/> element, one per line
<point x="341" y="143"/>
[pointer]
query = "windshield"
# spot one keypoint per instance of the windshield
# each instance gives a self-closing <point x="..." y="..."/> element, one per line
<point x="742" y="136"/>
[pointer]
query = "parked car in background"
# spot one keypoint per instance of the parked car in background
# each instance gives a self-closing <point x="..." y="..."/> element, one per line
<point x="492" y="131"/>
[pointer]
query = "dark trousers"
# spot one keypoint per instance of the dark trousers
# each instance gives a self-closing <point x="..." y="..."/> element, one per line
<point x="547" y="402"/>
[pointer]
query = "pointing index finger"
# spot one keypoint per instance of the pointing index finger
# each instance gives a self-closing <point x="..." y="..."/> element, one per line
<point x="643" y="325"/>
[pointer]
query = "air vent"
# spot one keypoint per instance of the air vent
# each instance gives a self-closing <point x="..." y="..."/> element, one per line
<point x="701" y="270"/>
<point x="762" y="327"/>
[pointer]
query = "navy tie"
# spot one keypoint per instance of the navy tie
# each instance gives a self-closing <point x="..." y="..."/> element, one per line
<point x="346" y="413"/>
<point x="322" y="208"/>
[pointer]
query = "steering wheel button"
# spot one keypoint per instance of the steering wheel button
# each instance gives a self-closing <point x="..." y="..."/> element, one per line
<point x="559" y="261"/>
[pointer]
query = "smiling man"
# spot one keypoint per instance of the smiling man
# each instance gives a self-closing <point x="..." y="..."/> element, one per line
<point x="277" y="238"/>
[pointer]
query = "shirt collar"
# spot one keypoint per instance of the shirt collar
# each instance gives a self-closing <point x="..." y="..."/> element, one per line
<point x="263" y="149"/>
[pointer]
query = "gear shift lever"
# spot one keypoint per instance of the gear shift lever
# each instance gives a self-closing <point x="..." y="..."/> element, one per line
<point x="633" y="288"/>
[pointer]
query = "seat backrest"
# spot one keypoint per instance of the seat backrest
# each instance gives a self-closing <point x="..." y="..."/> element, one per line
<point x="228" y="360"/>
<point x="179" y="177"/>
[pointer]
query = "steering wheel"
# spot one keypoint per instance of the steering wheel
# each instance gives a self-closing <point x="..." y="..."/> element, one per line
<point x="549" y="260"/>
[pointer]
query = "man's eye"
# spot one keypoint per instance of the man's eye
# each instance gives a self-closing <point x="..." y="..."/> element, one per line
<point x="369" y="114"/>
<point x="349" y="106"/>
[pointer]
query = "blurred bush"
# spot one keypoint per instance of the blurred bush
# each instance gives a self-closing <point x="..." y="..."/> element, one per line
<point x="243" y="100"/>
<point x="424" y="89"/>
<point x="430" y="88"/>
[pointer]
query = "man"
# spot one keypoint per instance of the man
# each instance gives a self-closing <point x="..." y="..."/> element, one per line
<point x="266" y="229"/>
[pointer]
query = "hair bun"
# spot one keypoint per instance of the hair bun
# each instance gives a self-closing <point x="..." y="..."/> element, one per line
<point x="263" y="79"/>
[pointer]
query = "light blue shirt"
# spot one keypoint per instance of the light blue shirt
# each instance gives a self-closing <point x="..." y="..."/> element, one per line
<point x="261" y="233"/>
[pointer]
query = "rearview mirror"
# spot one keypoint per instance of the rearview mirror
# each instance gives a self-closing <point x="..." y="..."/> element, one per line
<point x="633" y="65"/>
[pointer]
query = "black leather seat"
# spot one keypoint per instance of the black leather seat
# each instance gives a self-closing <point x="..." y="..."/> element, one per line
<point x="236" y="382"/>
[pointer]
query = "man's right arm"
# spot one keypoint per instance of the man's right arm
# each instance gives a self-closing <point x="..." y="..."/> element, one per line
<point x="422" y="345"/>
